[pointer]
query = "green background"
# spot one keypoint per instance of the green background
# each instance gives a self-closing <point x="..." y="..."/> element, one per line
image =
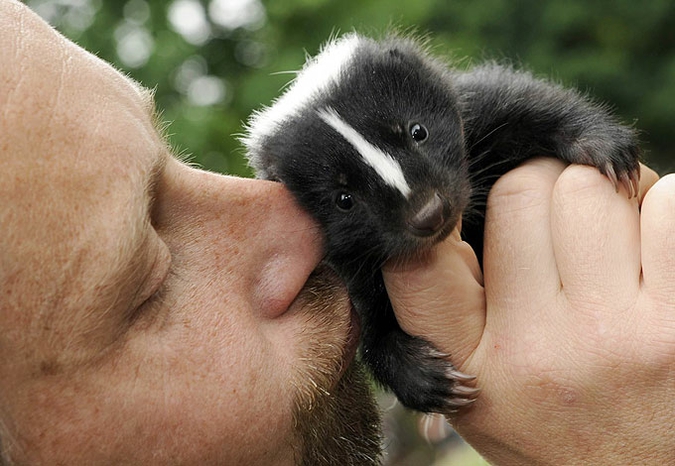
<point x="621" y="52"/>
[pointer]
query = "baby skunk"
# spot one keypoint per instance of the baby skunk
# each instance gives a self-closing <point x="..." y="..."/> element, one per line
<point x="386" y="147"/>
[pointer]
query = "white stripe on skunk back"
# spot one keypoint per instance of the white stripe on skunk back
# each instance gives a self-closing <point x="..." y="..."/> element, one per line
<point x="315" y="78"/>
<point x="384" y="164"/>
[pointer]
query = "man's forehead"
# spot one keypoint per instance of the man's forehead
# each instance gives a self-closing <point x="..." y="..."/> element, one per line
<point x="34" y="55"/>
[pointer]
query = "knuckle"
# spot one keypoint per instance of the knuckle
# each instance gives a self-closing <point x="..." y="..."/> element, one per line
<point x="663" y="192"/>
<point x="527" y="184"/>
<point x="582" y="180"/>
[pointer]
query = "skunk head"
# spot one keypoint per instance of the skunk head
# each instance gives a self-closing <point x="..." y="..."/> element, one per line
<point x="369" y="139"/>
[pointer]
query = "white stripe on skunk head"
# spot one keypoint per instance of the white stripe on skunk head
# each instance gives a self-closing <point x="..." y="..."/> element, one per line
<point x="384" y="164"/>
<point x="318" y="74"/>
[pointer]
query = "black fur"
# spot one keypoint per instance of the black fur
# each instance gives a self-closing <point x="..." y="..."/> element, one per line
<point x="481" y="123"/>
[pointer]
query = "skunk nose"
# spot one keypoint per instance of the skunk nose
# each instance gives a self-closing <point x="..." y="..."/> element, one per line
<point x="430" y="218"/>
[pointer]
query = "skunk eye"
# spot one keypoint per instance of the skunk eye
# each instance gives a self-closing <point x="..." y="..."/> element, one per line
<point x="344" y="201"/>
<point x="418" y="132"/>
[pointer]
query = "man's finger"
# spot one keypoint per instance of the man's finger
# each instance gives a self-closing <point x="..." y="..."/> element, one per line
<point x="597" y="237"/>
<point x="647" y="179"/>
<point x="658" y="238"/>
<point x="518" y="250"/>
<point x="440" y="297"/>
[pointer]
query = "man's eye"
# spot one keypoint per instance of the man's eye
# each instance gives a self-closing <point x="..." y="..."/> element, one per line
<point x="155" y="299"/>
<point x="154" y="282"/>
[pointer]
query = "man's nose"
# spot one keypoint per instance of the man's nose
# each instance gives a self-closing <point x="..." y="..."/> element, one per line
<point x="255" y="230"/>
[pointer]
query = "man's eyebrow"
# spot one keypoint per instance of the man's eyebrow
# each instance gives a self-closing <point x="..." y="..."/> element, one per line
<point x="147" y="97"/>
<point x="153" y="175"/>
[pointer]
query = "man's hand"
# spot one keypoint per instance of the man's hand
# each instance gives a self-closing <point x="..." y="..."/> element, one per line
<point x="571" y="331"/>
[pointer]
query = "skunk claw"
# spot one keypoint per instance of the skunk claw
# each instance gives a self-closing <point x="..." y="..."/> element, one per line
<point x="466" y="391"/>
<point x="457" y="375"/>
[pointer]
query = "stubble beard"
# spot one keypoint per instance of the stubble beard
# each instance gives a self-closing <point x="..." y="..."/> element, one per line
<point x="337" y="422"/>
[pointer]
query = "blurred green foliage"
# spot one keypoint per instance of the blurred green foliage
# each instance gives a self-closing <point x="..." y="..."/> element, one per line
<point x="214" y="72"/>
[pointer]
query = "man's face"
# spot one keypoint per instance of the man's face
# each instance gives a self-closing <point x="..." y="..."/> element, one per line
<point x="153" y="313"/>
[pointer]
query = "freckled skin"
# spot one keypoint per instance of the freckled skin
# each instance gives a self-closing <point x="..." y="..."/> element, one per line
<point x="477" y="124"/>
